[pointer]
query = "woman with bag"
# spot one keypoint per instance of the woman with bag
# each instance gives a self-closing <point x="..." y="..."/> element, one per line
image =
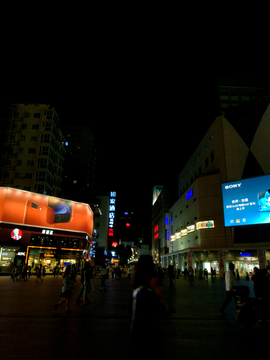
<point x="66" y="290"/>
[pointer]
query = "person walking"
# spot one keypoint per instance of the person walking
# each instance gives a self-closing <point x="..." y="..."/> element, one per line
<point x="87" y="283"/>
<point x="24" y="272"/>
<point x="66" y="291"/>
<point x="229" y="286"/>
<point x="171" y="274"/>
<point x="191" y="276"/>
<point x="212" y="274"/>
<point x="39" y="269"/>
<point x="78" y="300"/>
<point x="104" y="276"/>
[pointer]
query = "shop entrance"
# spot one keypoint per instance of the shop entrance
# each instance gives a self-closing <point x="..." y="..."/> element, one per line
<point x="47" y="257"/>
<point x="245" y="267"/>
<point x="7" y="258"/>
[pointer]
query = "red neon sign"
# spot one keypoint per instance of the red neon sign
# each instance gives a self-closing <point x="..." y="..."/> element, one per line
<point x="156" y="236"/>
<point x="114" y="244"/>
<point x="156" y="229"/>
<point x="110" y="232"/>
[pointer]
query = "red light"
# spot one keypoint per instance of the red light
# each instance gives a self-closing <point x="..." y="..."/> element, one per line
<point x="114" y="244"/>
<point x="156" y="229"/>
<point x="110" y="232"/>
<point x="127" y="224"/>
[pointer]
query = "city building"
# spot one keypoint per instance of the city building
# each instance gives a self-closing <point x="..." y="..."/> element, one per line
<point x="31" y="148"/>
<point x="233" y="92"/>
<point x="162" y="202"/>
<point x="79" y="178"/>
<point x="101" y="222"/>
<point x="193" y="228"/>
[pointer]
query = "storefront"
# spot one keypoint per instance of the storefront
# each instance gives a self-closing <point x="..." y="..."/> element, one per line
<point x="36" y="247"/>
<point x="50" y="257"/>
<point x="243" y="260"/>
<point x="41" y="230"/>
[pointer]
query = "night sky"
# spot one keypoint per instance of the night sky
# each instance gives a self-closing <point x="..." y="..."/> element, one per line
<point x="147" y="114"/>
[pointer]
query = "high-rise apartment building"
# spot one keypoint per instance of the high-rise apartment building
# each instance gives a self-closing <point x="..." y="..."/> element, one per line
<point x="32" y="148"/>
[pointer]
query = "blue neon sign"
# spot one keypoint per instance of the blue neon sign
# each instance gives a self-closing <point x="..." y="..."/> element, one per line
<point x="189" y="194"/>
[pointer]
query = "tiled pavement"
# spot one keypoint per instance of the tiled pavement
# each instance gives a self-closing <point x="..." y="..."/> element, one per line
<point x="30" y="328"/>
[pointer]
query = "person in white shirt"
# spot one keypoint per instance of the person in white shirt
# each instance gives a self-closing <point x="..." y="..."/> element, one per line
<point x="229" y="285"/>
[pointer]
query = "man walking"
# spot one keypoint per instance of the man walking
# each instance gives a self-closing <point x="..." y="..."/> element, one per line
<point x="229" y="285"/>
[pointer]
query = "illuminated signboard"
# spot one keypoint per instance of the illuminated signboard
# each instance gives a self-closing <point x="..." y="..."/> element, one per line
<point x="247" y="202"/>
<point x="112" y="209"/>
<point x="16" y="234"/>
<point x="189" y="194"/>
<point x="205" y="224"/>
<point x="156" y="192"/>
<point x="47" y="232"/>
<point x="46" y="212"/>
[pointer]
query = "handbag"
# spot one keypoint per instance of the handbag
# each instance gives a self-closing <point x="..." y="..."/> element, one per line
<point x="134" y="302"/>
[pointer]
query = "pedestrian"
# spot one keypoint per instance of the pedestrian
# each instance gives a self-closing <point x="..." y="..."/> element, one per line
<point x="229" y="286"/>
<point x="160" y="277"/>
<point x="146" y="307"/>
<point x="39" y="269"/>
<point x="206" y="274"/>
<point x="15" y="273"/>
<point x="24" y="272"/>
<point x="73" y="275"/>
<point x="66" y="291"/>
<point x="87" y="283"/>
<point x="104" y="276"/>
<point x="212" y="274"/>
<point x="261" y="289"/>
<point x="171" y="274"/>
<point x="191" y="276"/>
<point x="78" y="300"/>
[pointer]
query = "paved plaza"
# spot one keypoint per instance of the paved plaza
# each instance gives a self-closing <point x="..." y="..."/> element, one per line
<point x="30" y="328"/>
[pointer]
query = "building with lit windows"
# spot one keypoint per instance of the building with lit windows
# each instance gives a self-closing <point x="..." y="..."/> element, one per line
<point x="31" y="148"/>
<point x="193" y="230"/>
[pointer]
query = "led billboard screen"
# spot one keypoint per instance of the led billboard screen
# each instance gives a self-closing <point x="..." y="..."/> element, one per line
<point x="247" y="202"/>
<point x="24" y="207"/>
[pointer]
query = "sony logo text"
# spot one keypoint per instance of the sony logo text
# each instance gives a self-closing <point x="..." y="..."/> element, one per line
<point x="233" y="186"/>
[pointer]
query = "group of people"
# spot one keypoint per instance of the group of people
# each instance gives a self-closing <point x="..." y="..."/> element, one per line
<point x="69" y="280"/>
<point x="19" y="273"/>
<point x="261" y="281"/>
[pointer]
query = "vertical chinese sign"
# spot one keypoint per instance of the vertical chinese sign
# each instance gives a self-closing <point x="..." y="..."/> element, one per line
<point x="112" y="208"/>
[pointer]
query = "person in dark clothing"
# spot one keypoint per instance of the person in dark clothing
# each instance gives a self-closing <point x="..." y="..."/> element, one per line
<point x="147" y="305"/>
<point x="261" y="290"/>
<point x="171" y="274"/>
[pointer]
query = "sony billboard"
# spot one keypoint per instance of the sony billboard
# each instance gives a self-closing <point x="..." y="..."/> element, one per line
<point x="247" y="202"/>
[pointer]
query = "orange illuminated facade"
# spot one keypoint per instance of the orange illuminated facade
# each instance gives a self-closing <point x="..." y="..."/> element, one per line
<point x="38" y="229"/>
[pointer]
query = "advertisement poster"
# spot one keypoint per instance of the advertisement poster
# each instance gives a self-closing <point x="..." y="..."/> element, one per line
<point x="26" y="208"/>
<point x="247" y="202"/>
